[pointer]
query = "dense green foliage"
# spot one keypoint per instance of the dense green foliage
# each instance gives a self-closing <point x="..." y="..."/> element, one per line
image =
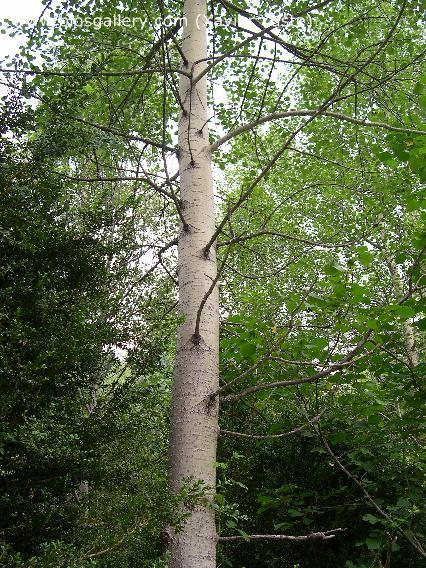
<point x="75" y="481"/>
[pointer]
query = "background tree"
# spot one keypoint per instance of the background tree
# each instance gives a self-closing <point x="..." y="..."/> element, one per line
<point x="76" y="483"/>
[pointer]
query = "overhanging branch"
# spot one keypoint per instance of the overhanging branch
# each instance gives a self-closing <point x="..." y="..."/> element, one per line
<point x="121" y="134"/>
<point x="348" y="360"/>
<point x="307" y="112"/>
<point x="313" y="536"/>
<point x="271" y="436"/>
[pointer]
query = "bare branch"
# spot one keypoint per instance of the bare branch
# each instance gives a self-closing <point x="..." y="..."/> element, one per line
<point x="125" y="135"/>
<point x="233" y="49"/>
<point x="116" y="544"/>
<point x="196" y="336"/>
<point x="274" y="346"/>
<point x="313" y="536"/>
<point x="89" y="74"/>
<point x="306" y="112"/>
<point x="123" y="178"/>
<point x="243" y="238"/>
<point x="245" y="194"/>
<point x="311" y="8"/>
<point x="348" y="360"/>
<point x="409" y="537"/>
<point x="271" y="436"/>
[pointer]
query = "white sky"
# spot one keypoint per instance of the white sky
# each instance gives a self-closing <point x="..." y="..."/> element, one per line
<point x="20" y="9"/>
<point x="17" y="11"/>
<point x="26" y="10"/>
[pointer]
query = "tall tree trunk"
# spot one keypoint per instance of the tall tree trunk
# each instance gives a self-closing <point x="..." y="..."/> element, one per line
<point x="408" y="330"/>
<point x="194" y="424"/>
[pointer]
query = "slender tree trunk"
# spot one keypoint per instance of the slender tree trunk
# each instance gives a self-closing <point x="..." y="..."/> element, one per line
<point x="408" y="330"/>
<point x="194" y="425"/>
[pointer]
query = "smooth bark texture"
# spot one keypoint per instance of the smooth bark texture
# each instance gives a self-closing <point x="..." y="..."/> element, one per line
<point x="408" y="330"/>
<point x="194" y="420"/>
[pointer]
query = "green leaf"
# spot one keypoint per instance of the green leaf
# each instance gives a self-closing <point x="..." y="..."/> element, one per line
<point x="415" y="204"/>
<point x="405" y="312"/>
<point x="220" y="499"/>
<point x="294" y="513"/>
<point x="372" y="544"/>
<point x="416" y="163"/>
<point x="365" y="258"/>
<point x="400" y="258"/>
<point x="88" y="89"/>
<point x="421" y="324"/>
<point x="420" y="242"/>
<point x="244" y="535"/>
<point x="247" y="349"/>
<point x="385" y="157"/>
<point x="373" y="420"/>
<point x="418" y="88"/>
<point x="372" y="519"/>
<point x="334" y="269"/>
<point x="373" y="324"/>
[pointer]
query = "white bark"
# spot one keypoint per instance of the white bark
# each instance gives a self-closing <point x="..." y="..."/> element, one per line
<point x="194" y="426"/>
<point x="408" y="330"/>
